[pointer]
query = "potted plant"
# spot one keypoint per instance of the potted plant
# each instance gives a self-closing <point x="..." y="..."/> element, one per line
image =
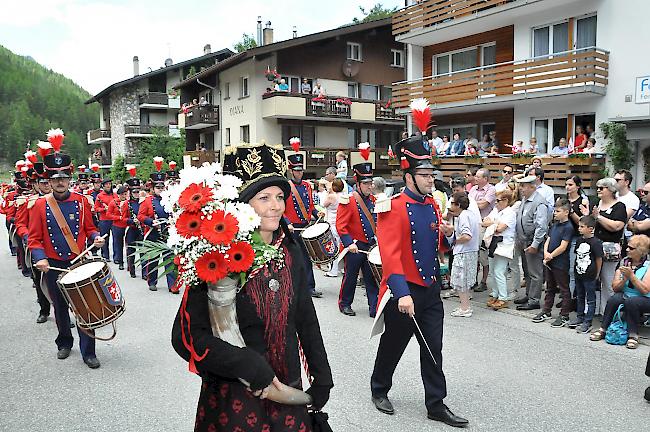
<point x="473" y="159"/>
<point x="522" y="158"/>
<point x="579" y="159"/>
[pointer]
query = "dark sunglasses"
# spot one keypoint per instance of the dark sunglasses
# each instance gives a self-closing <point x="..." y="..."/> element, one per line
<point x="507" y="172"/>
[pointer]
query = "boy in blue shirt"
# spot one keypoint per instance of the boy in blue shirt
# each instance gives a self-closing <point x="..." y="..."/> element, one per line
<point x="589" y="259"/>
<point x="556" y="263"/>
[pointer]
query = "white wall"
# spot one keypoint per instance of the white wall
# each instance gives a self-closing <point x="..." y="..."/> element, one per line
<point x="335" y="137"/>
<point x="236" y="111"/>
<point x="334" y="87"/>
<point x="414" y="62"/>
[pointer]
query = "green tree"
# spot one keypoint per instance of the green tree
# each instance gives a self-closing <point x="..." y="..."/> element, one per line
<point x="118" y="170"/>
<point x="377" y="12"/>
<point x="247" y="42"/>
<point x="160" y="144"/>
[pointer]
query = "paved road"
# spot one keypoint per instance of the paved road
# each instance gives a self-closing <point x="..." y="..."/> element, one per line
<point x="504" y="373"/>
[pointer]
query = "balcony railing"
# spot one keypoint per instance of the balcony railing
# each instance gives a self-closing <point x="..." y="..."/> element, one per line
<point x="97" y="135"/>
<point x="201" y="117"/>
<point x="140" y="129"/>
<point x="153" y="98"/>
<point x="387" y="112"/>
<point x="327" y="107"/>
<point x="431" y="12"/>
<point x="584" y="69"/>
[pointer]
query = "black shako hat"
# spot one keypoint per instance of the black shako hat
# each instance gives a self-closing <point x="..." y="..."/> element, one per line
<point x="414" y="152"/>
<point x="172" y="174"/>
<point x="58" y="165"/>
<point x="363" y="172"/>
<point x="82" y="177"/>
<point x="158" y="177"/>
<point x="133" y="182"/>
<point x="296" y="162"/>
<point x="258" y="166"/>
<point x="18" y="175"/>
<point x="96" y="177"/>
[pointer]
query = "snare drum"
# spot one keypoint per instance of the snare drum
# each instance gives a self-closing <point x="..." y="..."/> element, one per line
<point x="320" y="243"/>
<point x="92" y="293"/>
<point x="374" y="261"/>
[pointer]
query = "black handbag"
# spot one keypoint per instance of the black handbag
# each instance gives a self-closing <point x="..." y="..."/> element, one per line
<point x="319" y="421"/>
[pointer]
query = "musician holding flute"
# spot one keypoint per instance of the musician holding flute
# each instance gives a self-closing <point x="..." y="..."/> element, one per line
<point x="60" y="226"/>
<point x="275" y="316"/>
<point x="153" y="215"/>
<point x="299" y="212"/>
<point x="134" y="230"/>
<point x="410" y="237"/>
<point x="119" y="213"/>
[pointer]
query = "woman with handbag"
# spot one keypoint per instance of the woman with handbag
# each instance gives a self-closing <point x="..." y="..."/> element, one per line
<point x="611" y="217"/>
<point x="632" y="290"/>
<point x="275" y="315"/>
<point x="500" y="227"/>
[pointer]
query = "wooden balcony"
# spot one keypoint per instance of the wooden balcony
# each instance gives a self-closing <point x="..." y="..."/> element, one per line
<point x="202" y="117"/>
<point x="97" y="136"/>
<point x="330" y="108"/>
<point x="138" y="130"/>
<point x="197" y="158"/>
<point x="153" y="100"/>
<point x="577" y="71"/>
<point x="431" y="12"/>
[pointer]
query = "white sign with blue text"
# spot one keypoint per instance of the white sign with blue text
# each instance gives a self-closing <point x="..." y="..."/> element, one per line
<point x="642" y="89"/>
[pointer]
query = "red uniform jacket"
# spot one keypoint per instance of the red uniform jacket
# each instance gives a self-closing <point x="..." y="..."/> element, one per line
<point x="352" y="223"/>
<point x="119" y="213"/>
<point x="23" y="210"/>
<point x="101" y="204"/>
<point x="149" y="211"/>
<point x="45" y="238"/>
<point x="292" y="212"/>
<point x="8" y="207"/>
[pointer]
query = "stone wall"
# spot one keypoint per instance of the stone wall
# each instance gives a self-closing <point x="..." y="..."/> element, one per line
<point x="124" y="110"/>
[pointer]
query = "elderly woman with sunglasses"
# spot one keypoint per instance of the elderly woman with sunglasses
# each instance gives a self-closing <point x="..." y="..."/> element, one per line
<point x="632" y="287"/>
<point x="611" y="217"/>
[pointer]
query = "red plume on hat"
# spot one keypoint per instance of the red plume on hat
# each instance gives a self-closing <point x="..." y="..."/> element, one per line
<point x="158" y="162"/>
<point x="421" y="114"/>
<point x="295" y="143"/>
<point x="19" y="164"/>
<point x="55" y="137"/>
<point x="94" y="167"/>
<point x="172" y="165"/>
<point x="23" y="171"/>
<point x="44" y="148"/>
<point x="131" y="169"/>
<point x="364" y="150"/>
<point x="82" y="168"/>
<point x="31" y="156"/>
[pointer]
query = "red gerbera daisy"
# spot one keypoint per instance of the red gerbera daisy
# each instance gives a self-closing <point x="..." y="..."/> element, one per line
<point x="212" y="267"/>
<point x="240" y="257"/>
<point x="194" y="197"/>
<point x="221" y="228"/>
<point x="189" y="224"/>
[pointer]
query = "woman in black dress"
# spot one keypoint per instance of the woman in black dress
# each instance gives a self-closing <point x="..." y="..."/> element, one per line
<point x="276" y="318"/>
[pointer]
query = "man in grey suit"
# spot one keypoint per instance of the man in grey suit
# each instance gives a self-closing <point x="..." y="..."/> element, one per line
<point x="532" y="226"/>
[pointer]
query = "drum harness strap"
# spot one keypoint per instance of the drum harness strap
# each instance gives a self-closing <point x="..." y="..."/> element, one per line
<point x="63" y="225"/>
<point x="364" y="208"/>
<point x="301" y="204"/>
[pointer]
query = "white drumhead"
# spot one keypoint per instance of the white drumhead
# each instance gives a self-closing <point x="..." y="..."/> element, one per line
<point x="315" y="230"/>
<point x="82" y="272"/>
<point x="374" y="257"/>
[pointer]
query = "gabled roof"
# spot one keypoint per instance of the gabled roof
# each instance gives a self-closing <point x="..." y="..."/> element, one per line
<point x="134" y="79"/>
<point x="289" y="43"/>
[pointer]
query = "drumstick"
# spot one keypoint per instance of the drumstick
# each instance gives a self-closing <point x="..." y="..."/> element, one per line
<point x="86" y="250"/>
<point x="159" y="222"/>
<point x="59" y="269"/>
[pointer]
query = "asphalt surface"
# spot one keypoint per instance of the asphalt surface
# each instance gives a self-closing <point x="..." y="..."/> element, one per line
<point x="504" y="373"/>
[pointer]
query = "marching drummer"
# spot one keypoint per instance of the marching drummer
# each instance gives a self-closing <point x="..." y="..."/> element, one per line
<point x="355" y="223"/>
<point x="59" y="230"/>
<point x="299" y="212"/>
<point x="154" y="216"/>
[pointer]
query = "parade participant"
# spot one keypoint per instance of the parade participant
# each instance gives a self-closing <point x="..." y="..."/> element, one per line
<point x="409" y="240"/>
<point x="355" y="223"/>
<point x="25" y="190"/>
<point x="119" y="214"/>
<point x="103" y="200"/>
<point x="8" y="197"/>
<point x="134" y="231"/>
<point x="299" y="212"/>
<point x="23" y="203"/>
<point x="273" y="327"/>
<point x="96" y="179"/>
<point x="55" y="239"/>
<point x="154" y="216"/>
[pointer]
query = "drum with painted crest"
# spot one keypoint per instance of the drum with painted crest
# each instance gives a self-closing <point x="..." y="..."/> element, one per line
<point x="92" y="293"/>
<point x="320" y="243"/>
<point x="374" y="261"/>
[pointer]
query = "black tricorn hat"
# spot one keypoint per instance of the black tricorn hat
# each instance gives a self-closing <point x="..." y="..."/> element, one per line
<point x="296" y="162"/>
<point x="414" y="152"/>
<point x="58" y="165"/>
<point x="158" y="177"/>
<point x="133" y="182"/>
<point x="258" y="166"/>
<point x="363" y="171"/>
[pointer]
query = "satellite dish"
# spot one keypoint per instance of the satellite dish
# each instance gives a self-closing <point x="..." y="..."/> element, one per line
<point x="350" y="68"/>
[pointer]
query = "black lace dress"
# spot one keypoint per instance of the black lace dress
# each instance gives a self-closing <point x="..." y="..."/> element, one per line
<point x="273" y="323"/>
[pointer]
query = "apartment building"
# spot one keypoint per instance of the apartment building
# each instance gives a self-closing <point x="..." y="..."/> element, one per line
<point x="354" y="66"/>
<point x="133" y="108"/>
<point x="528" y="68"/>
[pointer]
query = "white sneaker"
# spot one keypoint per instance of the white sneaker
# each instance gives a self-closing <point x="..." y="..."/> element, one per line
<point x="462" y="313"/>
<point x="450" y="293"/>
